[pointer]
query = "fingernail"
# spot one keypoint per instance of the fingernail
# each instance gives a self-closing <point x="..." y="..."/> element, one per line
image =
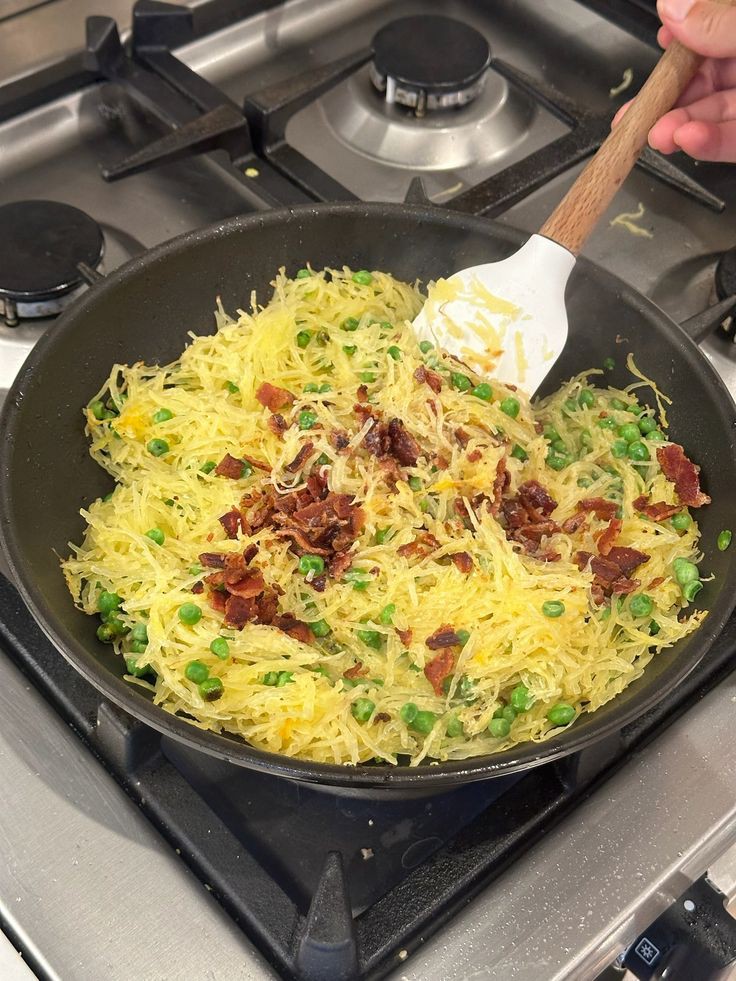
<point x="674" y="9"/>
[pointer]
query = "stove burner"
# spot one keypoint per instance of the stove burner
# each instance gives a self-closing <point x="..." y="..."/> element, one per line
<point x="429" y="63"/>
<point x="41" y="246"/>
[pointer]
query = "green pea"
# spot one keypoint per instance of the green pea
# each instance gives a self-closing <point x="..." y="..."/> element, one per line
<point x="571" y="405"/>
<point x="454" y="727"/>
<point x="367" y="376"/>
<point x="271" y="678"/>
<point x="553" y="608"/>
<point x="196" y="671"/>
<point x="619" y="448"/>
<point x="362" y="277"/>
<point x="284" y="678"/>
<point x="320" y="628"/>
<point x="654" y="628"/>
<point x="360" y="578"/>
<point x="156" y="535"/>
<point x="557" y="462"/>
<point x="584" y="482"/>
<point x="107" y="497"/>
<point x="559" y="446"/>
<point x="484" y="392"/>
<point x="520" y="698"/>
<point x="425" y="346"/>
<point x="423" y="722"/>
<point x="724" y="540"/>
<point x="510" y="406"/>
<point x="98" y="410"/>
<point x="519" y="453"/>
<point x="381" y="535"/>
<point x="387" y="613"/>
<point x="211" y="689"/>
<point x="691" y="589"/>
<point x="460" y="381"/>
<point x="508" y="712"/>
<point x="586" y="398"/>
<point x="635" y="409"/>
<point x="386" y="326"/>
<point x="551" y="434"/>
<point x="362" y="709"/>
<point x="609" y="364"/>
<point x="499" y="728"/>
<point x="681" y="521"/>
<point x="323" y="460"/>
<point x="585" y="438"/>
<point x="231" y="387"/>
<point x="324" y="387"/>
<point x="647" y="425"/>
<point x="641" y="605"/>
<point x="195" y="570"/>
<point x="190" y="613"/>
<point x="629" y="431"/>
<point x="394" y="352"/>
<point x="655" y="436"/>
<point x="220" y="648"/>
<point x="371" y="638"/>
<point x="608" y="422"/>
<point x="561" y="714"/>
<point x="106" y="633"/>
<point x="463" y="637"/>
<point x="303" y="274"/>
<point x="157" y="447"/>
<point x="310" y="388"/>
<point x="139" y="633"/>
<point x="208" y="466"/>
<point x="307" y="419"/>
<point x="408" y="712"/>
<point x="415" y="483"/>
<point x="107" y="602"/>
<point x="131" y="664"/>
<point x="311" y="563"/>
<point x="163" y="415"/>
<point x="350" y="349"/>
<point x="685" y="571"/>
<point x="638" y="452"/>
<point x="303" y="338"/>
<point x="617" y="404"/>
<point x="350" y="324"/>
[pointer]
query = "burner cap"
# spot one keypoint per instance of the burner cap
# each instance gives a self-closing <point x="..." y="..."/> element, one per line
<point x="41" y="244"/>
<point x="429" y="62"/>
<point x="726" y="274"/>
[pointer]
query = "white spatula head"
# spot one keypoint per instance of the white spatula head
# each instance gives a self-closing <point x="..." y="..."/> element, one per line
<point x="504" y="319"/>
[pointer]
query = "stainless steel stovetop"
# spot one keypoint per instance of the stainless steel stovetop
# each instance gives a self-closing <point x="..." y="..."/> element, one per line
<point x="79" y="861"/>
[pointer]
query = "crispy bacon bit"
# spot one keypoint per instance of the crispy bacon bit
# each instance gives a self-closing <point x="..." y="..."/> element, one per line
<point x="611" y="572"/>
<point x="198" y="588"/>
<point x="439" y="668"/>
<point x="247" y="587"/>
<point x="405" y="636"/>
<point x="533" y="495"/>
<point x="627" y="559"/>
<point x="319" y="584"/>
<point x="403" y="446"/>
<point x="462" y="437"/>
<point x="608" y="536"/>
<point x="294" y="628"/>
<point x="574" y="523"/>
<point x="230" y="522"/>
<point x="527" y="517"/>
<point x="250" y="553"/>
<point x="356" y="671"/>
<point x="601" y="508"/>
<point x="212" y="560"/>
<point x="258" y="464"/>
<point x="339" y="440"/>
<point x="340" y="564"/>
<point x="217" y="601"/>
<point x="230" y="466"/>
<point x="683" y="473"/>
<point x="444" y="636"/>
<point x="422" y="545"/>
<point x="362" y="393"/>
<point x="657" y="510"/>
<point x="274" y="398"/>
<point x="441" y="462"/>
<point x="463" y="561"/>
<point x="277" y="424"/>
<point x="298" y="462"/>
<point x="238" y="611"/>
<point x="381" y="717"/>
<point x="426" y="376"/>
<point x="655" y="582"/>
<point x="475" y="455"/>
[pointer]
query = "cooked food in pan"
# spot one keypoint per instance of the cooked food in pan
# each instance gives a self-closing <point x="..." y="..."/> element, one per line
<point x="342" y="545"/>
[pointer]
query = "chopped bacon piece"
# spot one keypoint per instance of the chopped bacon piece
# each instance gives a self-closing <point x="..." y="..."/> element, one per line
<point x="532" y="494"/>
<point x="212" y="560"/>
<point x="362" y="393"/>
<point x="274" y="398"/>
<point x="422" y="545"/>
<point x="377" y="440"/>
<point x="405" y="636"/>
<point x="277" y="424"/>
<point x="475" y="455"/>
<point x="340" y="564"/>
<point x="601" y="508"/>
<point x="250" y="553"/>
<point x="381" y="717"/>
<point x="356" y="671"/>
<point x="198" y="588"/>
<point x="403" y="446"/>
<point x="230" y="466"/>
<point x="340" y="440"/>
<point x="611" y="572"/>
<point x="238" y="611"/>
<point x="258" y="464"/>
<point x="319" y="583"/>
<point x="622" y="586"/>
<point x="298" y="462"/>
<point x="500" y="483"/>
<point x="294" y="628"/>
<point x="444" y="636"/>
<point x="627" y="559"/>
<point x="657" y="510"/>
<point x="683" y="473"/>
<point x="655" y="582"/>
<point x="230" y="522"/>
<point x="426" y="376"/>
<point x="439" y="668"/>
<point x="608" y="536"/>
<point x="462" y="437"/>
<point x="217" y="601"/>
<point x="247" y="587"/>
<point x="441" y="462"/>
<point x="574" y="522"/>
<point x="463" y="561"/>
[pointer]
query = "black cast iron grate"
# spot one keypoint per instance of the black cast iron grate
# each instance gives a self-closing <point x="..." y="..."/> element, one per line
<point x="329" y="886"/>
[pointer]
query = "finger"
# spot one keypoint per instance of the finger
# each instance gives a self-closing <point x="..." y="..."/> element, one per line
<point x="664" y="36"/>
<point x="704" y="26"/>
<point x="708" y="141"/>
<point x="662" y="134"/>
<point x="617" y="118"/>
<point x="715" y="108"/>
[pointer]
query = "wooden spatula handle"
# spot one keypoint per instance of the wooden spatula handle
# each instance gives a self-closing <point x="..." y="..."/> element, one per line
<point x="577" y="214"/>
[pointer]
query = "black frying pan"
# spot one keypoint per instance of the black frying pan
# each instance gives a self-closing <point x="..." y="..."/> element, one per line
<point x="144" y="310"/>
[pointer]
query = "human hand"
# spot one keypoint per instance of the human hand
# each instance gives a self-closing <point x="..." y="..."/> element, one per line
<point x="704" y="122"/>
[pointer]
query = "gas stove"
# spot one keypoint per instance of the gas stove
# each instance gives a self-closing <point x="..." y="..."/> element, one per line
<point x="132" y="858"/>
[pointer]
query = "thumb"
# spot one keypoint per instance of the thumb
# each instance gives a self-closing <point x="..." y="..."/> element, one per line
<point x="705" y="26"/>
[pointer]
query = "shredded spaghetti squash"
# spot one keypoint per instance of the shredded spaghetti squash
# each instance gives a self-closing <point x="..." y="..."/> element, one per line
<point x="340" y="545"/>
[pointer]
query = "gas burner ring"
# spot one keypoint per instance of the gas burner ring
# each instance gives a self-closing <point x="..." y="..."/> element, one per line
<point x="41" y="249"/>
<point x="429" y="63"/>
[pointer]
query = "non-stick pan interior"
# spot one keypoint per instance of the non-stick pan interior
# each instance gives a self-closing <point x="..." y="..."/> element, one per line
<point x="145" y="310"/>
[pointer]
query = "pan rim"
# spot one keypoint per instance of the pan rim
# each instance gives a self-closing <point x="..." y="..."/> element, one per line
<point x="233" y="749"/>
